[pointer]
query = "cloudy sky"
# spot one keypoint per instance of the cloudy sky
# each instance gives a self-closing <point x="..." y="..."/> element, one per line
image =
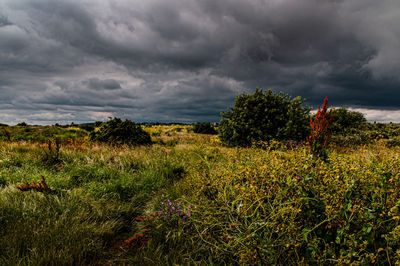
<point x="186" y="60"/>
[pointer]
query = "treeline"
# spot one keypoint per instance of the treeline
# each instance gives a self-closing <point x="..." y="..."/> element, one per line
<point x="258" y="117"/>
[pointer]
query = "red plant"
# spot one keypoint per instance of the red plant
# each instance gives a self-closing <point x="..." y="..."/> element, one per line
<point x="138" y="241"/>
<point x="319" y="137"/>
<point x="40" y="186"/>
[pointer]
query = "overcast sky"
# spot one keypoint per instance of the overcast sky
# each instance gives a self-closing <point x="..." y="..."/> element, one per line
<point x="186" y="60"/>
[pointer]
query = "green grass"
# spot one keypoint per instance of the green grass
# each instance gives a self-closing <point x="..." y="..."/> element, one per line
<point x="274" y="205"/>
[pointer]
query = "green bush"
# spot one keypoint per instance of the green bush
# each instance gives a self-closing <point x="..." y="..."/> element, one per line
<point x="204" y="128"/>
<point x="116" y="131"/>
<point x="263" y="116"/>
<point x="344" y="119"/>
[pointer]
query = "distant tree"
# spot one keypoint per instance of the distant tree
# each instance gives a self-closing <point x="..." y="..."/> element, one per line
<point x="98" y="123"/>
<point x="204" y="128"/>
<point x="88" y="128"/>
<point x="22" y="124"/>
<point x="344" y="119"/>
<point x="116" y="131"/>
<point x="264" y="116"/>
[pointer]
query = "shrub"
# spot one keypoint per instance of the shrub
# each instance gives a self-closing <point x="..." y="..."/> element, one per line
<point x="264" y="116"/>
<point x="395" y="142"/>
<point x="345" y="119"/>
<point x="116" y="131"/>
<point x="204" y="128"/>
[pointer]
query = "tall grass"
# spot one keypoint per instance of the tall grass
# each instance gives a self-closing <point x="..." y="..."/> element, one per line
<point x="197" y="202"/>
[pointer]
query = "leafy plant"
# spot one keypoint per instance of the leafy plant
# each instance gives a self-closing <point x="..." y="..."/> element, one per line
<point x="318" y="139"/>
<point x="116" y="131"/>
<point x="204" y="128"/>
<point x="263" y="116"/>
<point x="345" y="119"/>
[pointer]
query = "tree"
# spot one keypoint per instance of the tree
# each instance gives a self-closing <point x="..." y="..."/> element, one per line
<point x="263" y="116"/>
<point x="116" y="131"/>
<point x="346" y="119"/>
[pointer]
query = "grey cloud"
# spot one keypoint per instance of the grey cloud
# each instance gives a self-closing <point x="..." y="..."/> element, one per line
<point x="174" y="60"/>
<point x="107" y="84"/>
<point x="4" y="21"/>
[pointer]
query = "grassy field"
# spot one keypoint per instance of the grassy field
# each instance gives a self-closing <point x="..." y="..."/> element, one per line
<point x="189" y="200"/>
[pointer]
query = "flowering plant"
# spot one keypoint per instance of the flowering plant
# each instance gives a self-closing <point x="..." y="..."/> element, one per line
<point x="319" y="137"/>
<point x="166" y="223"/>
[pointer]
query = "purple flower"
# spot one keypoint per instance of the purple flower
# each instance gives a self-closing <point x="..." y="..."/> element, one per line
<point x="189" y="206"/>
<point x="188" y="213"/>
<point x="160" y="213"/>
<point x="163" y="195"/>
<point x="248" y="158"/>
<point x="178" y="204"/>
<point x="162" y="202"/>
<point x="237" y="162"/>
<point x="173" y="208"/>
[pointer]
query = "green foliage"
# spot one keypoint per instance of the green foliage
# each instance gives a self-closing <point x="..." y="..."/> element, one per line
<point x="116" y="131"/>
<point x="263" y="116"/>
<point x="42" y="229"/>
<point x="204" y="128"/>
<point x="98" y="123"/>
<point x="345" y="119"/>
<point x="41" y="133"/>
<point x="247" y="205"/>
<point x="88" y="128"/>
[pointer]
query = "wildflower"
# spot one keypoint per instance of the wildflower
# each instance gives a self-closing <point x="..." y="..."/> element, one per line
<point x="188" y="213"/>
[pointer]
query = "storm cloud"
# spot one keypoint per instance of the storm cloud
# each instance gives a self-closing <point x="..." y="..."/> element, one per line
<point x="185" y="61"/>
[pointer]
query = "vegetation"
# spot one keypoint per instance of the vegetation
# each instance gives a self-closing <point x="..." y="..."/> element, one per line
<point x="264" y="116"/>
<point x="116" y="131"/>
<point x="345" y="119"/>
<point x="320" y="135"/>
<point x="204" y="128"/>
<point x="190" y="199"/>
<point x="42" y="133"/>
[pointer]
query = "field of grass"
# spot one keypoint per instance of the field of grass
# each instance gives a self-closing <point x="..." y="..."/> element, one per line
<point x="189" y="200"/>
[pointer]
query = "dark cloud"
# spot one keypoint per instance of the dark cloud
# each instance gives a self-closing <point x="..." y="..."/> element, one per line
<point x="107" y="84"/>
<point x="186" y="61"/>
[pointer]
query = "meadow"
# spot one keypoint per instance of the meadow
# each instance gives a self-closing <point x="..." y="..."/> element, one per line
<point x="187" y="199"/>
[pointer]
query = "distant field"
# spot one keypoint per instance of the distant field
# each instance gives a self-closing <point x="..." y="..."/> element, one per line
<point x="187" y="199"/>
